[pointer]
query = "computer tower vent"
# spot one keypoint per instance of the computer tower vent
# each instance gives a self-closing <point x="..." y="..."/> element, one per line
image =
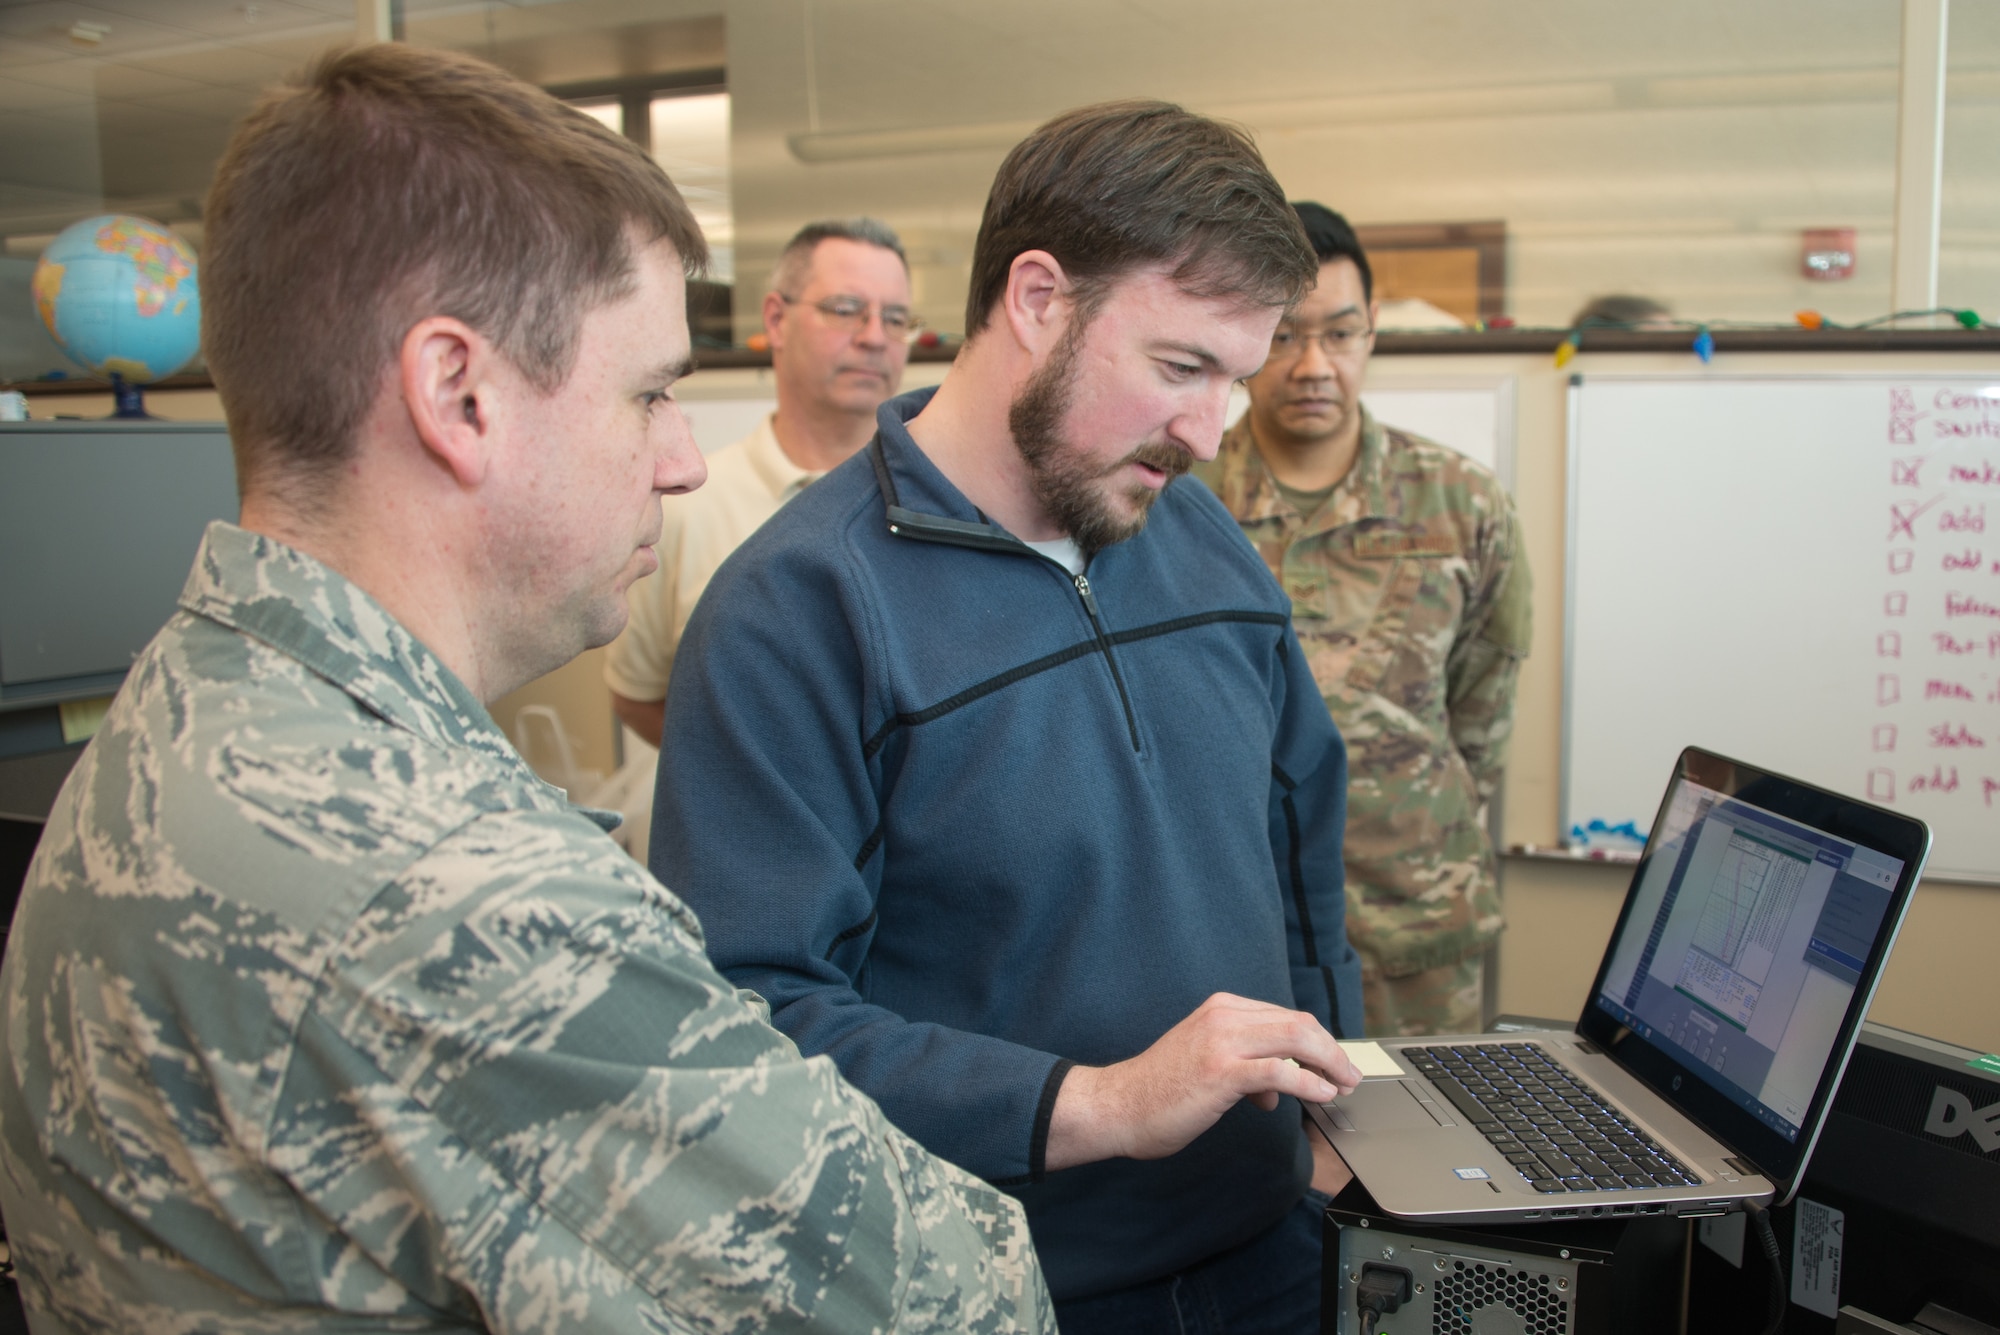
<point x="1589" y="1277"/>
<point x="1477" y="1299"/>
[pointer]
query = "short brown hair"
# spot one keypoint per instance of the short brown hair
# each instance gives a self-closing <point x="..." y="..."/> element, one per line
<point x="388" y="184"/>
<point x="1109" y="188"/>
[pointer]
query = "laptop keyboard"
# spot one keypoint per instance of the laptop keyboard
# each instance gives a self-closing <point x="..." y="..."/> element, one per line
<point x="1550" y="1125"/>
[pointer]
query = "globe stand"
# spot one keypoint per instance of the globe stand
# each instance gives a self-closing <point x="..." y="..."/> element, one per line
<point x="129" y="400"/>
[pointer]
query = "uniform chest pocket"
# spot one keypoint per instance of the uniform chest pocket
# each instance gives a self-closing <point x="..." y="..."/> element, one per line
<point x="1403" y="640"/>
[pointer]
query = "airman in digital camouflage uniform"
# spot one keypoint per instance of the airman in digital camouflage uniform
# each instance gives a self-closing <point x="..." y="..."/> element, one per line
<point x="1410" y="594"/>
<point x="321" y="1012"/>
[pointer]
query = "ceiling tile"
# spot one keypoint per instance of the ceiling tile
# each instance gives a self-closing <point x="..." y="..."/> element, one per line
<point x="58" y="81"/>
<point x="218" y="66"/>
<point x="119" y="82"/>
<point x="227" y="19"/>
<point x="136" y="115"/>
<point x="293" y="50"/>
<point x="48" y="24"/>
<point x="20" y="51"/>
<point x="211" y="104"/>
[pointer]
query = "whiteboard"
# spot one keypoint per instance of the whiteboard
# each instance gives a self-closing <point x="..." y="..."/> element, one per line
<point x="1802" y="572"/>
<point x="1474" y="418"/>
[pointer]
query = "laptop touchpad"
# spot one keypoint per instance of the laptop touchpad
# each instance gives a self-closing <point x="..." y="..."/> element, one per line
<point x="1383" y="1105"/>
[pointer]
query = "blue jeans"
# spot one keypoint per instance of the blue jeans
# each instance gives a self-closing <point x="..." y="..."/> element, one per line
<point x="1268" y="1286"/>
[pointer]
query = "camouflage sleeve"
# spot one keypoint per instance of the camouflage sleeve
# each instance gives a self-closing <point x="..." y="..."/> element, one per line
<point x="523" y="1083"/>
<point x="1485" y="661"/>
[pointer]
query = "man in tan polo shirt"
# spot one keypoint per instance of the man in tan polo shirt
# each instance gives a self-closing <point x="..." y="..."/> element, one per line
<point x="839" y="321"/>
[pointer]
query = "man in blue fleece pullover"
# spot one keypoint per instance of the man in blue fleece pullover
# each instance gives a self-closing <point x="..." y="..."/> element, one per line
<point x="992" y="761"/>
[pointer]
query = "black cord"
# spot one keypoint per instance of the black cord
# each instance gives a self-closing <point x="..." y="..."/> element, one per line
<point x="1760" y="1218"/>
<point x="1966" y="319"/>
<point x="1381" y="1291"/>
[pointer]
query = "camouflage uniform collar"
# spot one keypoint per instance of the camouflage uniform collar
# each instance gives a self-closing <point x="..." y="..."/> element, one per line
<point x="1251" y="493"/>
<point x="263" y="588"/>
<point x="1364" y="492"/>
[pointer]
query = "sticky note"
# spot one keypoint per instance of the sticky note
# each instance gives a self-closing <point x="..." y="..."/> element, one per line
<point x="82" y="718"/>
<point x="1372" y="1061"/>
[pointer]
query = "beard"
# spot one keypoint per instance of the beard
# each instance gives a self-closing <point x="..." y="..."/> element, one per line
<point x="1073" y="491"/>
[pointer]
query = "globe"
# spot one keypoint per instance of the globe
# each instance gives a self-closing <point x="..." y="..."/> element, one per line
<point x="117" y="293"/>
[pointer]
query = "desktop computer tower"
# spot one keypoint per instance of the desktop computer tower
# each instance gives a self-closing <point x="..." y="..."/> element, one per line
<point x="1591" y="1277"/>
<point x="1900" y="1204"/>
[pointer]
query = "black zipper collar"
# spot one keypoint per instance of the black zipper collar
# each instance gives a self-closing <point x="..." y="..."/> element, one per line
<point x="984" y="535"/>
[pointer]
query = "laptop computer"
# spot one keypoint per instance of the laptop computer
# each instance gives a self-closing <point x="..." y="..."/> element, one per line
<point x="1701" y="1070"/>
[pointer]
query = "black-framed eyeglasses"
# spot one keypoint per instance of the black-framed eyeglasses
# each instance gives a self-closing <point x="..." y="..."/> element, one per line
<point x="1289" y="342"/>
<point x="851" y="314"/>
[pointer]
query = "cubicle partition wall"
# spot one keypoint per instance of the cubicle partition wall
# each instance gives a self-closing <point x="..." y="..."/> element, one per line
<point x="99" y="522"/>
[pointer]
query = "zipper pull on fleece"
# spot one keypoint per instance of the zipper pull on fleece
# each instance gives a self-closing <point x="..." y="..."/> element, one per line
<point x="1089" y="603"/>
<point x="1104" y="641"/>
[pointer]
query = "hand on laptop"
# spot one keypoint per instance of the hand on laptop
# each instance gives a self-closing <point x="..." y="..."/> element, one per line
<point x="1230" y="1048"/>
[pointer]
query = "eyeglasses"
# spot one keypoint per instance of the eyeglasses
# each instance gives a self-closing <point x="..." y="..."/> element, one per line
<point x="851" y="314"/>
<point x="1288" y="344"/>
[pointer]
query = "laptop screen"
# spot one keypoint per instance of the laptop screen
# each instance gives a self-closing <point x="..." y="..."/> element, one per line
<point x="1748" y="947"/>
<point x="1744" y="945"/>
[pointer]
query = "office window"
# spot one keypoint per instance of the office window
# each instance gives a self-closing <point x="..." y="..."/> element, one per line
<point x="690" y="138"/>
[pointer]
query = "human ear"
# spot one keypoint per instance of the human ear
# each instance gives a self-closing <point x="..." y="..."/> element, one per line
<point x="445" y="368"/>
<point x="1035" y="300"/>
<point x="774" y="320"/>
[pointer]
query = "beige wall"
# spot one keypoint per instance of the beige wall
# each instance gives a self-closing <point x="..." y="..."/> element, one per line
<point x="577" y="693"/>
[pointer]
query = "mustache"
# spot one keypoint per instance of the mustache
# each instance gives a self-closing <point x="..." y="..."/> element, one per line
<point x="1166" y="458"/>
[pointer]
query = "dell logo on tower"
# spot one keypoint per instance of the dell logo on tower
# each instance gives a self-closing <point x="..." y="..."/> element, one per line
<point x="1952" y="1114"/>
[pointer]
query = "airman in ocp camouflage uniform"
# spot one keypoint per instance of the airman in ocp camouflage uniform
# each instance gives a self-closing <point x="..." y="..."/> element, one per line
<point x="1411" y="596"/>
<point x="324" y="1013"/>
<point x="1411" y="600"/>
